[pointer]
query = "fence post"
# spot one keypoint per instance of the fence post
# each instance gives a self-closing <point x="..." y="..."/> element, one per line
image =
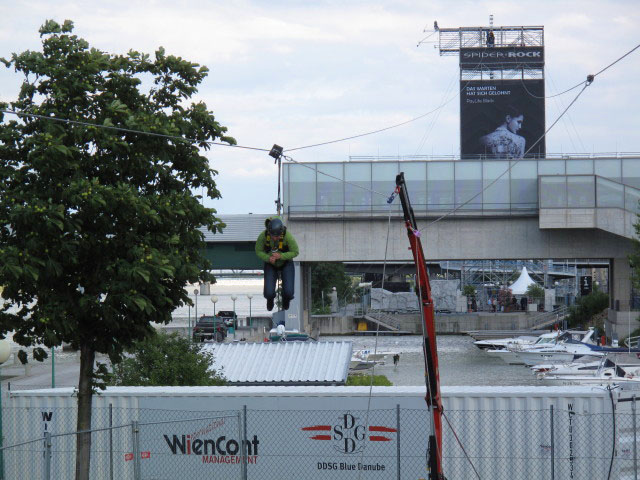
<point x="398" y="438"/>
<point x="136" y="450"/>
<point x="47" y="456"/>
<point x="635" y="439"/>
<point x="240" y="437"/>
<point x="244" y="443"/>
<point x="2" y="434"/>
<point x="552" y="447"/>
<point x="111" y="441"/>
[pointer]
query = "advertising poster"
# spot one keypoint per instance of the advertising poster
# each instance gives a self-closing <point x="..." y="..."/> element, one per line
<point x="502" y="118"/>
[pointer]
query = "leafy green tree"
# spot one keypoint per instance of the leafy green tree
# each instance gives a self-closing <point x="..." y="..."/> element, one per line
<point x="164" y="359"/>
<point x="535" y="291"/>
<point x="587" y="307"/>
<point x="98" y="224"/>
<point x="469" y="291"/>
<point x="325" y="276"/>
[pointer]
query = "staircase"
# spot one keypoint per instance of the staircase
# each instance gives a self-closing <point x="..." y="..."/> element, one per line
<point x="382" y="319"/>
<point x="545" y="319"/>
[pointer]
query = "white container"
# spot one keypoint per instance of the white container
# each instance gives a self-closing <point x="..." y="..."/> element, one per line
<point x="503" y="428"/>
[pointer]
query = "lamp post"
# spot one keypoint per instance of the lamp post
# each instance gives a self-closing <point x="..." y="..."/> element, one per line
<point x="5" y="352"/>
<point x="214" y="300"/>
<point x="195" y="294"/>
<point x="233" y="299"/>
<point x="250" y="297"/>
<point x="53" y="367"/>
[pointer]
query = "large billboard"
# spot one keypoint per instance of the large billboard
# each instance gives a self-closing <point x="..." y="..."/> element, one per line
<point x="502" y="118"/>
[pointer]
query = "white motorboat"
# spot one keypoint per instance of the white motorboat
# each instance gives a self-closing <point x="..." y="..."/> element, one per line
<point x="509" y="353"/>
<point x="501" y="343"/>
<point x="365" y="359"/>
<point x="508" y="356"/>
<point x="606" y="375"/>
<point x="588" y="366"/>
<point x="565" y="350"/>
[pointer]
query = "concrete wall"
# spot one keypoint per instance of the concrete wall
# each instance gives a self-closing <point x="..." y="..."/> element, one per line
<point x="613" y="220"/>
<point x="619" y="322"/>
<point x="445" y="324"/>
<point x="343" y="240"/>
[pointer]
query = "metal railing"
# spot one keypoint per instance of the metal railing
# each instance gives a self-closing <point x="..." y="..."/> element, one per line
<point x="545" y="319"/>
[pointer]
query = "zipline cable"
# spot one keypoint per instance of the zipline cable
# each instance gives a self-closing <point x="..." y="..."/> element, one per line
<point x="129" y="130"/>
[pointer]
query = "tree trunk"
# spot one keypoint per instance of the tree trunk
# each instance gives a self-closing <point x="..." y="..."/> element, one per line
<point x="85" y="394"/>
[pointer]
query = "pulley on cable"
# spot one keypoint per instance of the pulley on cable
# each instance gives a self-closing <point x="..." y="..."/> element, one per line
<point x="276" y="152"/>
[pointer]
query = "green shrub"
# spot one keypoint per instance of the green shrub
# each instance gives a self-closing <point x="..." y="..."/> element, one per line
<point x="535" y="291"/>
<point x="586" y="307"/>
<point x="469" y="291"/>
<point x="364" y="380"/>
<point x="163" y="360"/>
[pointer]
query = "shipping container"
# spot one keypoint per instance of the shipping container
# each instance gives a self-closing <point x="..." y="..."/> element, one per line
<point x="320" y="432"/>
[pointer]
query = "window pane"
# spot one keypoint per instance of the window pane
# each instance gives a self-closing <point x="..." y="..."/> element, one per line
<point x="551" y="167"/>
<point x="357" y="199"/>
<point x="609" y="168"/>
<point x="468" y="184"/>
<point x="580" y="192"/>
<point x="631" y="199"/>
<point x="610" y="194"/>
<point x="524" y="185"/>
<point x="495" y="197"/>
<point x="415" y="176"/>
<point x="579" y="167"/>
<point x="631" y="172"/>
<point x="439" y="185"/>
<point x="330" y="190"/>
<point x="553" y="192"/>
<point x="302" y="187"/>
<point x="384" y="182"/>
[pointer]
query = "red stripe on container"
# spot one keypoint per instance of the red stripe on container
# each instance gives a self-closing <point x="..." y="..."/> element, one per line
<point x="374" y="428"/>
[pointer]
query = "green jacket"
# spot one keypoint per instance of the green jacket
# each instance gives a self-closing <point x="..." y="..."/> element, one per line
<point x="264" y="248"/>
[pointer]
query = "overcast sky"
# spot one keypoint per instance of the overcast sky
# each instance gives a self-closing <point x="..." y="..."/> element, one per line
<point x="302" y="72"/>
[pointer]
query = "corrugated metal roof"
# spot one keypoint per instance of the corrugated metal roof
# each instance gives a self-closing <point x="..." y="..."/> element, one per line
<point x="283" y="363"/>
<point x="240" y="228"/>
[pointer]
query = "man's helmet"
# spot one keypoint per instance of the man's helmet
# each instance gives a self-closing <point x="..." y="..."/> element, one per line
<point x="276" y="227"/>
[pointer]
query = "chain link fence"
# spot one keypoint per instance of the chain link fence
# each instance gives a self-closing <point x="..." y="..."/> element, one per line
<point x="145" y="444"/>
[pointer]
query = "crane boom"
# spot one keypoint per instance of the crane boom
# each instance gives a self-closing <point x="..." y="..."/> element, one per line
<point x="423" y="289"/>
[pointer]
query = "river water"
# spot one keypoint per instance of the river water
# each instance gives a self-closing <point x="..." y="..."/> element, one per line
<point x="460" y="361"/>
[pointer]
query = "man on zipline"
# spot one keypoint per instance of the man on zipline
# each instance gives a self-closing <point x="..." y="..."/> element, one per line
<point x="277" y="248"/>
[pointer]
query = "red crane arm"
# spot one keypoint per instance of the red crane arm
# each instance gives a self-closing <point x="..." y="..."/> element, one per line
<point x="433" y="398"/>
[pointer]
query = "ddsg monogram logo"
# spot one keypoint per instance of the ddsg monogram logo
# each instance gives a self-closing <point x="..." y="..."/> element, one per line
<point x="348" y="434"/>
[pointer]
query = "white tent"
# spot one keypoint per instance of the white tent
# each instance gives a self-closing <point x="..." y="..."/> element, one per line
<point x="519" y="287"/>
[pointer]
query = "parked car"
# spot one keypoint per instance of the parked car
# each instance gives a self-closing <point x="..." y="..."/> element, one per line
<point x="209" y="328"/>
<point x="229" y="317"/>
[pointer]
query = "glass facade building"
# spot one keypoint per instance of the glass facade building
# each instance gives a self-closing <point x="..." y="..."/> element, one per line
<point x="470" y="187"/>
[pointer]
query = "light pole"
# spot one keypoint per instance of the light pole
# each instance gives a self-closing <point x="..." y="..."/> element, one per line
<point x="233" y="299"/>
<point x="195" y="294"/>
<point x="214" y="300"/>
<point x="250" y="297"/>
<point x="53" y="367"/>
<point x="5" y="352"/>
